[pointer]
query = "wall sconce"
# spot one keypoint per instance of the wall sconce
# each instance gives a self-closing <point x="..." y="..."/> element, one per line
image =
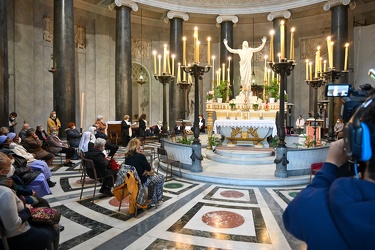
<point x="52" y="67"/>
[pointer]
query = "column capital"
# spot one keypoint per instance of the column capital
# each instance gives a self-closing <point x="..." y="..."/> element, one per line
<point x="223" y="18"/>
<point x="119" y="3"/>
<point x="177" y="14"/>
<point x="282" y="13"/>
<point x="332" y="3"/>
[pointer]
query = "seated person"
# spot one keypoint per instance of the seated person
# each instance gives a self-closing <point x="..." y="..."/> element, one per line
<point x="202" y="124"/>
<point x="15" y="215"/>
<point x="101" y="125"/>
<point x="158" y="128"/>
<point x="42" y="135"/>
<point x="22" y="133"/>
<point x="55" y="145"/>
<point x="108" y="146"/>
<point x="20" y="151"/>
<point x="4" y="131"/>
<point x="300" y="124"/>
<point x="339" y="127"/>
<point x="34" y="146"/>
<point x="84" y="142"/>
<point x="154" y="182"/>
<point x="95" y="154"/>
<point x="73" y="135"/>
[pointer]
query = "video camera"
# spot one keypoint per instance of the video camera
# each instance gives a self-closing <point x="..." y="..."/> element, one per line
<point x="351" y="98"/>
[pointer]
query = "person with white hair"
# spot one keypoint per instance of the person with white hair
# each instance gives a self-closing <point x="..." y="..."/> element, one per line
<point x="126" y="131"/>
<point x="95" y="154"/>
<point x="158" y="128"/>
<point x="102" y="126"/>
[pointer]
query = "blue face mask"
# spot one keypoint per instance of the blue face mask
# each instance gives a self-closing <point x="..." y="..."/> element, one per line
<point x="54" y="133"/>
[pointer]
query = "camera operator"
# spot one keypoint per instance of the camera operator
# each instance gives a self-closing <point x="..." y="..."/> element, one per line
<point x="338" y="213"/>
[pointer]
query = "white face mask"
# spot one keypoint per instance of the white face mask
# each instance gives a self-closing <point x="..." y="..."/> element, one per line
<point x="11" y="171"/>
<point x="54" y="116"/>
<point x="73" y="127"/>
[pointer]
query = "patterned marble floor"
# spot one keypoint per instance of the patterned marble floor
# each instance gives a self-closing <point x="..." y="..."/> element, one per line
<point x="194" y="215"/>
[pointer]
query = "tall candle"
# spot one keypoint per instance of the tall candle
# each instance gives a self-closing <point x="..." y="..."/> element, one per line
<point x="173" y="56"/>
<point x="165" y="59"/>
<point x="320" y="65"/>
<point x="346" y="56"/>
<point x="208" y="50"/>
<point x="178" y="73"/>
<point x="223" y="72"/>
<point x="195" y="43"/>
<point x="316" y="65"/>
<point x="332" y="55"/>
<point x="310" y="71"/>
<point x="265" y="68"/>
<point x="279" y="56"/>
<point x="154" y="53"/>
<point x="272" y="54"/>
<point x="307" y="69"/>
<point x="184" y="50"/>
<point x="282" y="39"/>
<point x="318" y="55"/>
<point x="325" y="66"/>
<point x="82" y="107"/>
<point x="292" y="43"/>
<point x="269" y="76"/>
<point x="217" y="77"/>
<point x="168" y="62"/>
<point x="213" y="67"/>
<point x="198" y="43"/>
<point x="228" y="75"/>
<point x="229" y="58"/>
<point x="159" y="57"/>
<point x="329" y="50"/>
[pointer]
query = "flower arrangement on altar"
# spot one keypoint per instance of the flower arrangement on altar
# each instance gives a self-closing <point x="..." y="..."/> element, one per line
<point x="210" y="95"/>
<point x="255" y="106"/>
<point x="232" y="103"/>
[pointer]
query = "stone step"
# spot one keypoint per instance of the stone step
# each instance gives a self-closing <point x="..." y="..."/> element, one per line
<point x="238" y="160"/>
<point x="242" y="154"/>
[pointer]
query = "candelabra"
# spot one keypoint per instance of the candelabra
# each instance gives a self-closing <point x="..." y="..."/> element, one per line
<point x="284" y="67"/>
<point x="164" y="79"/>
<point x="331" y="76"/>
<point x="315" y="84"/>
<point x="197" y="72"/>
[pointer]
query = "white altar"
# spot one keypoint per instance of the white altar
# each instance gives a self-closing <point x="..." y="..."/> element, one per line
<point x="246" y="131"/>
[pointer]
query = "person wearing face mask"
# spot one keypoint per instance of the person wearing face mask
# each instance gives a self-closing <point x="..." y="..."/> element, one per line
<point x="339" y="127"/>
<point x="101" y="125"/>
<point x="55" y="145"/>
<point x="12" y="121"/>
<point x="53" y="121"/>
<point x="73" y="135"/>
<point x="15" y="216"/>
<point x="300" y="124"/>
<point x="34" y="146"/>
<point x="126" y="131"/>
<point x="22" y="133"/>
<point x="42" y="135"/>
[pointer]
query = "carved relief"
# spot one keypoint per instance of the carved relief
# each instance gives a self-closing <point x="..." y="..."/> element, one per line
<point x="141" y="48"/>
<point x="309" y="47"/>
<point x="79" y="33"/>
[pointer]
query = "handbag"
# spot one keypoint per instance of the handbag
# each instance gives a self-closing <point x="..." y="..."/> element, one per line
<point x="113" y="164"/>
<point x="45" y="215"/>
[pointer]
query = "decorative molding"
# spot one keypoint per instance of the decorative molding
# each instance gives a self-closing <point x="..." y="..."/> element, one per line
<point x="223" y="18"/>
<point x="283" y="13"/>
<point x="333" y="3"/>
<point x="119" y="3"/>
<point x="177" y="14"/>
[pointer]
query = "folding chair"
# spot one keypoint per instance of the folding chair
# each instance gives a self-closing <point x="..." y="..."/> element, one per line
<point x="163" y="157"/>
<point x="88" y="169"/>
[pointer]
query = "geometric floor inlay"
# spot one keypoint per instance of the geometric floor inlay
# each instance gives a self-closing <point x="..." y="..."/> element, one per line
<point x="236" y="195"/>
<point x="223" y="219"/>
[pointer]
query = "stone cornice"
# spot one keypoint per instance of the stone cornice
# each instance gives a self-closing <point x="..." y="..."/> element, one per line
<point x="333" y="3"/>
<point x="283" y="13"/>
<point x="177" y="14"/>
<point x="127" y="3"/>
<point x="223" y="18"/>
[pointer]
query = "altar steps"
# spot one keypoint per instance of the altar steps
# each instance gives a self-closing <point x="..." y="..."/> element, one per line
<point x="241" y="156"/>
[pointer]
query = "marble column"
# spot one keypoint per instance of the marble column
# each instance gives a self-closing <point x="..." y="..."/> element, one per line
<point x="123" y="58"/>
<point x="64" y="81"/>
<point x="226" y="24"/>
<point x="4" y="70"/>
<point x="339" y="32"/>
<point x="176" y="96"/>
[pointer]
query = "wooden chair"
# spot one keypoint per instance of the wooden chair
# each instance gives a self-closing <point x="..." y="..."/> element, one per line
<point x="113" y="135"/>
<point x="163" y="157"/>
<point x="88" y="169"/>
<point x="315" y="167"/>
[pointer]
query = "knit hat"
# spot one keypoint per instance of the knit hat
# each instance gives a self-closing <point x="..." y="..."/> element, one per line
<point x="3" y="138"/>
<point x="11" y="135"/>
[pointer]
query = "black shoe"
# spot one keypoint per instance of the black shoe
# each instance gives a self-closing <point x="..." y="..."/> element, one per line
<point x="51" y="183"/>
<point x="62" y="228"/>
<point x="106" y="191"/>
<point x="69" y="164"/>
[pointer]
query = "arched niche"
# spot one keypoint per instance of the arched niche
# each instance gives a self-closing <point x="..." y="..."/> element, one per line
<point x="141" y="89"/>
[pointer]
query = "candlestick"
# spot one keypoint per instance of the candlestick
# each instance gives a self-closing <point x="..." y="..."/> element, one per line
<point x="282" y="39"/>
<point x="310" y="64"/>
<point x="173" y="56"/>
<point x="217" y="77"/>
<point x="223" y="72"/>
<point x="316" y="65"/>
<point x="320" y="64"/>
<point x="168" y="62"/>
<point x="325" y="66"/>
<point x="165" y="59"/>
<point x="279" y="56"/>
<point x="269" y="76"/>
<point x="229" y="58"/>
<point x="198" y="43"/>
<point x="329" y="50"/>
<point x="292" y="44"/>
<point x="82" y="107"/>
<point x="184" y="50"/>
<point x="332" y="43"/>
<point x="178" y="73"/>
<point x="195" y="43"/>
<point x="272" y="55"/>
<point x="228" y="75"/>
<point x="159" y="57"/>
<point x="307" y="69"/>
<point x="154" y="53"/>
<point x="265" y="68"/>
<point x="213" y="67"/>
<point x="208" y="50"/>
<point x="346" y="56"/>
<point x="318" y="57"/>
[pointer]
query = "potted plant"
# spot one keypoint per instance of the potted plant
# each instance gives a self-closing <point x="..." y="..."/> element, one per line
<point x="214" y="141"/>
<point x="232" y="104"/>
<point x="222" y="90"/>
<point x="210" y="96"/>
<point x="255" y="106"/>
<point x="273" y="90"/>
